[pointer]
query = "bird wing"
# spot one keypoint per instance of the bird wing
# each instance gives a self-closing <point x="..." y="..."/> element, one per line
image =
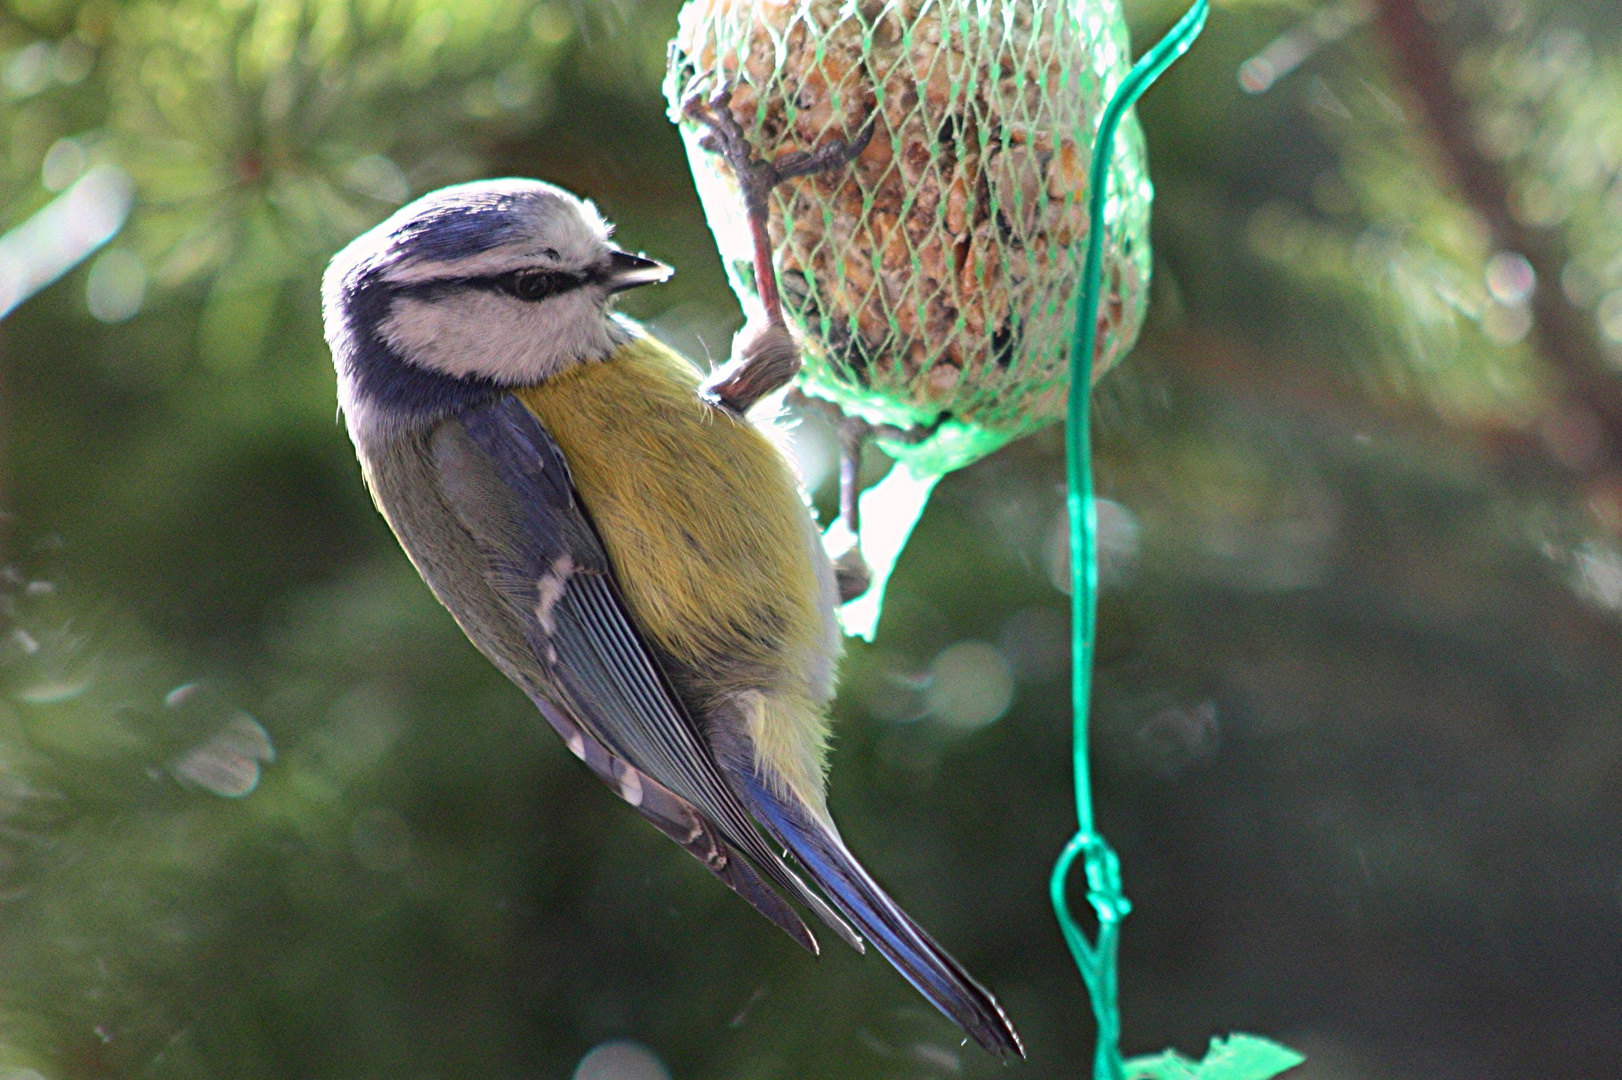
<point x="507" y="482"/>
<point x="677" y="819"/>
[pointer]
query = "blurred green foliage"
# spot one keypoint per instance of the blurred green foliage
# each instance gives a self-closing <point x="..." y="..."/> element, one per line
<point x="1358" y="741"/>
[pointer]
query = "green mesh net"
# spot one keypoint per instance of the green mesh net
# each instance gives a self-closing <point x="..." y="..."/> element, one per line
<point x="932" y="283"/>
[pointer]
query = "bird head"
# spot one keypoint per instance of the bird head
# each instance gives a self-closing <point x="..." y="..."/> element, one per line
<point x="495" y="283"/>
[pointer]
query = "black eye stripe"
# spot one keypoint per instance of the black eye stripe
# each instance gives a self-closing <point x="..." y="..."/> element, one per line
<point x="540" y="284"/>
<point x="526" y="285"/>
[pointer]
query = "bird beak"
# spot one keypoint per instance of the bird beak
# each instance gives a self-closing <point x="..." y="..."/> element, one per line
<point x="627" y="271"/>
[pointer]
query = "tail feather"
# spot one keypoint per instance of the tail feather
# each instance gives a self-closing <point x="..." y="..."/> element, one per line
<point x="927" y="966"/>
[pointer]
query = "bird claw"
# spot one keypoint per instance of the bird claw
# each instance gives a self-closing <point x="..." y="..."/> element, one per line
<point x="725" y="136"/>
<point x="833" y="154"/>
<point x="757" y="176"/>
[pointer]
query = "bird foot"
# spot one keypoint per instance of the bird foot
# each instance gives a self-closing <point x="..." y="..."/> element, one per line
<point x="757" y="176"/>
<point x="852" y="574"/>
<point x="765" y="356"/>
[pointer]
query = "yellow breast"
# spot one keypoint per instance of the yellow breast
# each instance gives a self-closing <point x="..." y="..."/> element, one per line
<point x="699" y="512"/>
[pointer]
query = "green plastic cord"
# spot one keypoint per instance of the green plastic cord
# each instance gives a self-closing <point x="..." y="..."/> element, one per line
<point x="1097" y="962"/>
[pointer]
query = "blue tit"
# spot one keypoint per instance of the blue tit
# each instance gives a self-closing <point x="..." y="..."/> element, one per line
<point x="633" y="554"/>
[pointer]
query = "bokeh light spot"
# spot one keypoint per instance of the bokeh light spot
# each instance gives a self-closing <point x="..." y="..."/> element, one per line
<point x="621" y="1059"/>
<point x="116" y="286"/>
<point x="53" y="692"/>
<point x="1597" y="575"/>
<point x="551" y="24"/>
<point x="227" y="764"/>
<point x="378" y="177"/>
<point x="29" y="71"/>
<point x="1119" y="541"/>
<point x="64" y="163"/>
<point x="970" y="685"/>
<point x="1510" y="278"/>
<point x="514" y="86"/>
<point x="1609" y="316"/>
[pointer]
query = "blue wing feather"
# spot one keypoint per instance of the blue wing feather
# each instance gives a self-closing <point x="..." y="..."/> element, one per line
<point x="515" y="496"/>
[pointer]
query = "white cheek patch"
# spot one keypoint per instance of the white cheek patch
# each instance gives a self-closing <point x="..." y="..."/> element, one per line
<point x="477" y="332"/>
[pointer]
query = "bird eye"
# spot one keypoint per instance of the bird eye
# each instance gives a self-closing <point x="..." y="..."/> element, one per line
<point x="539" y="284"/>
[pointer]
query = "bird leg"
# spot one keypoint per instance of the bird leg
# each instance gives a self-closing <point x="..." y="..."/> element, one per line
<point x="765" y="355"/>
<point x="844" y="539"/>
<point x="851" y="572"/>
